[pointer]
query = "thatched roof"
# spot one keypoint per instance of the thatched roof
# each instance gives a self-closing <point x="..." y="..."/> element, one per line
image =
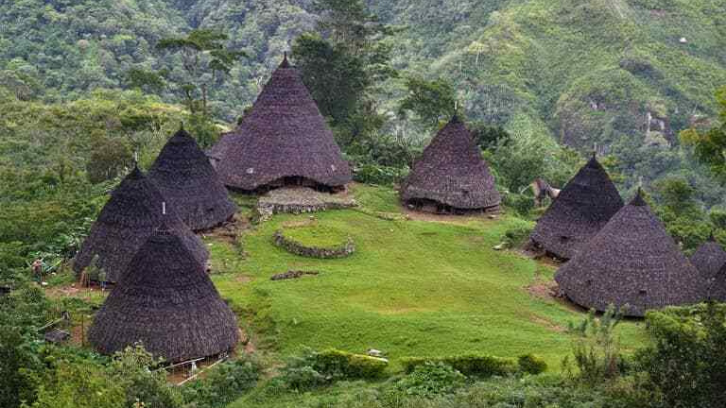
<point x="709" y="258"/>
<point x="717" y="286"/>
<point x="582" y="208"/>
<point x="166" y="301"/>
<point x="452" y="172"/>
<point x="283" y="136"/>
<point x="631" y="261"/>
<point x="186" y="178"/>
<point x="127" y="220"/>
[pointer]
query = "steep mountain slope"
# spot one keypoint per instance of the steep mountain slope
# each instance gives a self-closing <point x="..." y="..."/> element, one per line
<point x="588" y="72"/>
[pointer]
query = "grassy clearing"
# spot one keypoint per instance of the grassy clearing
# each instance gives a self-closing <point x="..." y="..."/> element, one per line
<point x="313" y="233"/>
<point x="413" y="288"/>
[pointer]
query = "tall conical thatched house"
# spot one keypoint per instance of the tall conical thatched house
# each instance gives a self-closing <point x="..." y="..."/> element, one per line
<point x="283" y="140"/>
<point x="186" y="178"/>
<point x="451" y="175"/>
<point x="166" y="301"/>
<point x="133" y="212"/>
<point x="582" y="208"/>
<point x="631" y="261"/>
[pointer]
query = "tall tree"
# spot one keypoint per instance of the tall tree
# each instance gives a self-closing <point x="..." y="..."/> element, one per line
<point x="343" y="64"/>
<point x="205" y="60"/>
<point x="429" y="101"/>
<point x="710" y="146"/>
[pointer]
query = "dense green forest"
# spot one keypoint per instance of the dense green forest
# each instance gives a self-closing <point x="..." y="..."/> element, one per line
<point x="89" y="87"/>
<point x="622" y="77"/>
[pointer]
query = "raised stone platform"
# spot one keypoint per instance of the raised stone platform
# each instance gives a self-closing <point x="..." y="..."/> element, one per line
<point x="299" y="200"/>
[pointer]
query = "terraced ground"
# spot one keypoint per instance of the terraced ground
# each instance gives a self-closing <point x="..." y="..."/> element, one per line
<point x="417" y="286"/>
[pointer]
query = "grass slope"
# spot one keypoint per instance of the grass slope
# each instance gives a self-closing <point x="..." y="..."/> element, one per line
<point x="414" y="288"/>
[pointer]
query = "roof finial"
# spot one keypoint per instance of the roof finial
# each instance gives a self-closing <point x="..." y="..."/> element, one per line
<point x="285" y="62"/>
<point x="638" y="200"/>
<point x="181" y="126"/>
<point x="455" y="117"/>
<point x="594" y="151"/>
<point x="136" y="159"/>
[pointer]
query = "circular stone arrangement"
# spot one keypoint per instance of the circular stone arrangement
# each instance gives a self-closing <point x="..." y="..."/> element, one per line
<point x="295" y="247"/>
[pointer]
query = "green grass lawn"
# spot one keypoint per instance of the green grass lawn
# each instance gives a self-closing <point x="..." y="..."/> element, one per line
<point x="413" y="288"/>
<point x="313" y="233"/>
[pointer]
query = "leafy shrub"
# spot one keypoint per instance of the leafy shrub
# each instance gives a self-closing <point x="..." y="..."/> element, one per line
<point x="379" y="175"/>
<point x="431" y="379"/>
<point x="349" y="366"/>
<point x="516" y="236"/>
<point x="523" y="204"/>
<point x="597" y="349"/>
<point x="686" y="363"/>
<point x="224" y="384"/>
<point x="471" y="365"/>
<point x="531" y="364"/>
<point x="314" y="369"/>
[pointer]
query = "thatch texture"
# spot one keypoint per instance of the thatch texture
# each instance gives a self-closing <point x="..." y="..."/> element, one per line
<point x="166" y="301"/>
<point x="582" y="208"/>
<point x="186" y="178"/>
<point x="709" y="258"/>
<point x="632" y="261"/>
<point x="283" y="140"/>
<point x="127" y="220"/>
<point x="717" y="286"/>
<point x="451" y="172"/>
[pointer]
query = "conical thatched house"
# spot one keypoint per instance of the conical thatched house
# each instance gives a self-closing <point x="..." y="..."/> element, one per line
<point x="582" y="208"/>
<point x="709" y="258"/>
<point x="186" y="178"/>
<point x="166" y="301"/>
<point x="283" y="140"/>
<point x="133" y="212"/>
<point x="451" y="175"/>
<point x="632" y="261"/>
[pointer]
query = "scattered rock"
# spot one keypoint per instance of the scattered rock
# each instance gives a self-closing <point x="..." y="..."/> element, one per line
<point x="375" y="353"/>
<point x="293" y="275"/>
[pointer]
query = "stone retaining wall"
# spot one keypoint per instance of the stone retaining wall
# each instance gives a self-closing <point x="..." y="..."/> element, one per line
<point x="297" y="248"/>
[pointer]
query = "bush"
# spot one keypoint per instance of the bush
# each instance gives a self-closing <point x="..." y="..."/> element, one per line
<point x="516" y="236"/>
<point x="349" y="366"/>
<point x="379" y="175"/>
<point x="431" y="379"/>
<point x="224" y="384"/>
<point x="471" y="365"/>
<point x="523" y="204"/>
<point x="531" y="364"/>
<point x="315" y="369"/>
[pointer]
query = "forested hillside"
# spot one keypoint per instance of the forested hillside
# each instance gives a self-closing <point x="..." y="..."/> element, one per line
<point x="588" y="72"/>
<point x="622" y="76"/>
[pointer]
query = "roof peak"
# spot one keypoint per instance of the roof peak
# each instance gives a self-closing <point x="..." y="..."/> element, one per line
<point x="593" y="162"/>
<point x="638" y="200"/>
<point x="136" y="173"/>
<point x="285" y="63"/>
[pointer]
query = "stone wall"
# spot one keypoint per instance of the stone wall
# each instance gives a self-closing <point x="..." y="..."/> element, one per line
<point x="297" y="248"/>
